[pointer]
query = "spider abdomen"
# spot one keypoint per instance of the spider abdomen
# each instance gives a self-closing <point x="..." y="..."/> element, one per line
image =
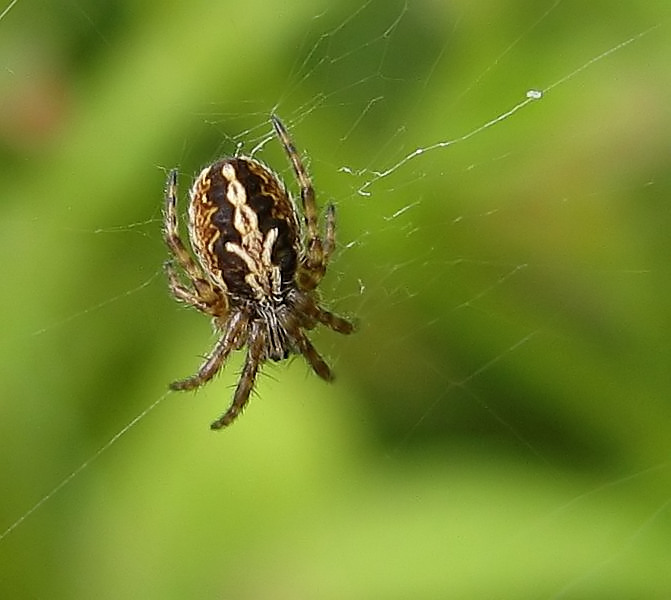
<point x="243" y="228"/>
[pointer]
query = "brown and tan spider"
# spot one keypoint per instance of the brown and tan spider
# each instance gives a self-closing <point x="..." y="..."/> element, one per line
<point x="258" y="266"/>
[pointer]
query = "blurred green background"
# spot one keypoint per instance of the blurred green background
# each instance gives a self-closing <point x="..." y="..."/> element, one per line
<point x="499" y="426"/>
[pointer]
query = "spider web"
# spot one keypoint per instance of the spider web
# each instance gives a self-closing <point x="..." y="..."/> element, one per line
<point x="500" y="177"/>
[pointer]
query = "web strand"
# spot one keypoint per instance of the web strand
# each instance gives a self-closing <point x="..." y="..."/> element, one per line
<point x="104" y="448"/>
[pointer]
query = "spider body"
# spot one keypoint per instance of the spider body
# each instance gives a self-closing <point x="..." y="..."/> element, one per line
<point x="258" y="266"/>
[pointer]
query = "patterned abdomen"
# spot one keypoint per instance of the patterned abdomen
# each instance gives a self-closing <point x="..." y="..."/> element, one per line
<point x="243" y="229"/>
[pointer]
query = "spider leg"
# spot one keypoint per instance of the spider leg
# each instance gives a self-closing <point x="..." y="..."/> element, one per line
<point x="315" y="262"/>
<point x="332" y="321"/>
<point x="307" y="191"/>
<point x="306" y="305"/>
<point x="329" y="237"/>
<point x="181" y="292"/>
<point x="227" y="342"/>
<point x="241" y="397"/>
<point x="177" y="248"/>
<point x="313" y="357"/>
<point x="310" y="353"/>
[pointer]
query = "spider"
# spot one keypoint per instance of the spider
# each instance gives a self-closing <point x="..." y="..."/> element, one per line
<point x="258" y="266"/>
